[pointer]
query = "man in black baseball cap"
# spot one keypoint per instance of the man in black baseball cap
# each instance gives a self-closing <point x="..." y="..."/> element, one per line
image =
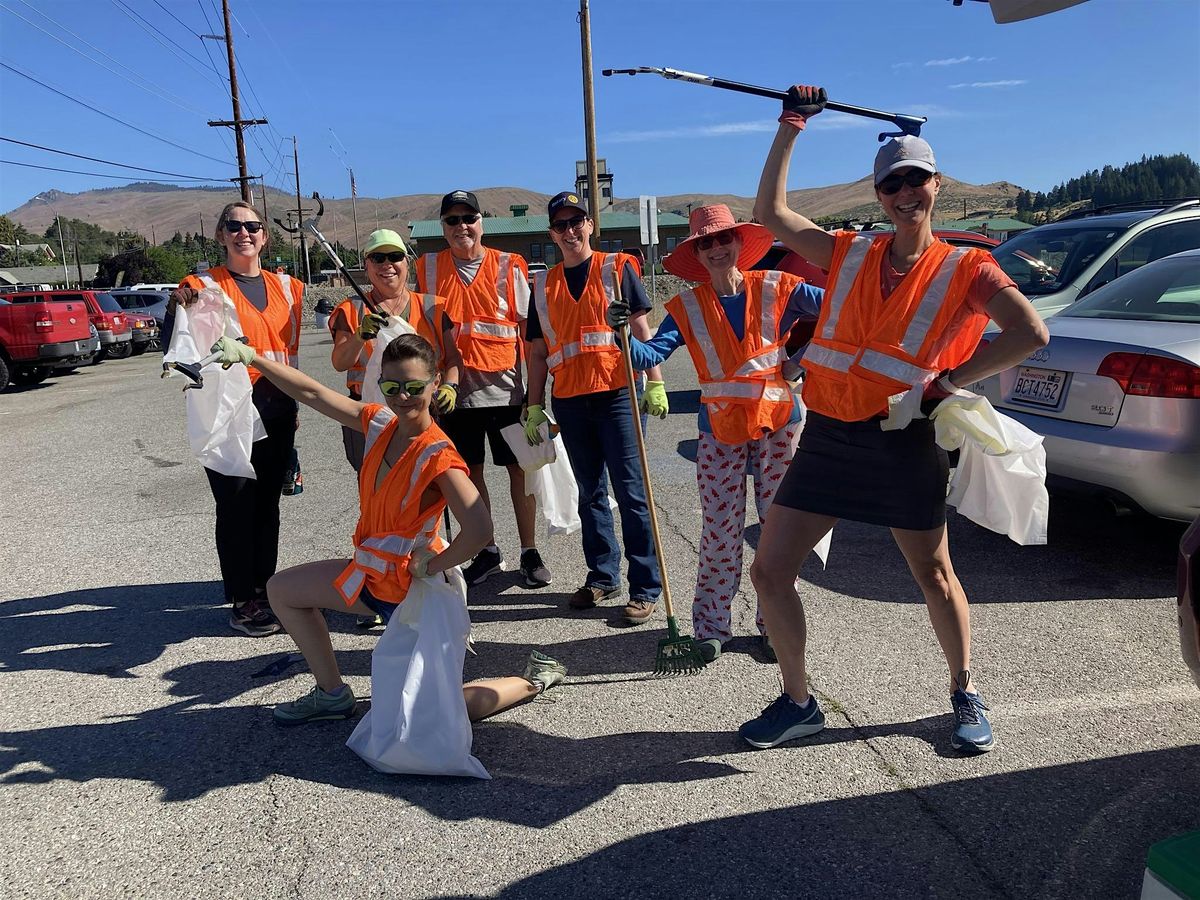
<point x="454" y="198"/>
<point x="566" y="200"/>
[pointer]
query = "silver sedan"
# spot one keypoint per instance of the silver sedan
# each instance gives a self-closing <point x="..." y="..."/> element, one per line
<point x="1116" y="392"/>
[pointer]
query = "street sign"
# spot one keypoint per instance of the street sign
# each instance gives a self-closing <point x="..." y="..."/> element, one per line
<point x="648" y="213"/>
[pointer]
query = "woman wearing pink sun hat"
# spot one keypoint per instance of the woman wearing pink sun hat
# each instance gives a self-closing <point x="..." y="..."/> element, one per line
<point x="734" y="324"/>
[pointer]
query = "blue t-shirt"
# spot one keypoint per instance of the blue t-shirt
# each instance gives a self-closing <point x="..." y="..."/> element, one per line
<point x="803" y="305"/>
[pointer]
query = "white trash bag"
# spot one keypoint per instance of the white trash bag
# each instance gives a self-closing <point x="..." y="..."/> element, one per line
<point x="395" y="327"/>
<point x="418" y="724"/>
<point x="1000" y="481"/>
<point x="531" y="457"/>
<point x="222" y="422"/>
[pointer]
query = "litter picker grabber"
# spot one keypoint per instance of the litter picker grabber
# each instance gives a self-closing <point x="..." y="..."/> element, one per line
<point x="677" y="654"/>
<point x="192" y="370"/>
<point x="309" y="227"/>
<point x="907" y="124"/>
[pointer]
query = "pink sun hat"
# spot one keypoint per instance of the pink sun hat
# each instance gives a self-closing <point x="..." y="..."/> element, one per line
<point x="756" y="241"/>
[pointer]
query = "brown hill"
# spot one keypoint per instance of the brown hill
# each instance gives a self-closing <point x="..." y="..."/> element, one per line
<point x="157" y="212"/>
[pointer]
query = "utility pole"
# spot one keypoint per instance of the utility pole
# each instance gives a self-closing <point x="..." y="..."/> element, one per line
<point x="78" y="266"/>
<point x="354" y="214"/>
<point x="266" y="219"/>
<point x="237" y="122"/>
<point x="299" y="210"/>
<point x="589" y="114"/>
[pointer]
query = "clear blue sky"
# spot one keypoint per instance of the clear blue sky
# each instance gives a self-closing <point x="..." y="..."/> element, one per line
<point x="429" y="96"/>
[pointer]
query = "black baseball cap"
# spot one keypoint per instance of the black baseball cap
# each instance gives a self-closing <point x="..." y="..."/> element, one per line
<point x="466" y="198"/>
<point x="566" y="200"/>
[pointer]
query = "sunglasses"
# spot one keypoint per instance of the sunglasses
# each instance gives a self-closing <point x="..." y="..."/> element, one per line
<point x="466" y="219"/>
<point x="893" y="183"/>
<point x="562" y="226"/>
<point x="407" y="388"/>
<point x="380" y="258"/>
<point x="233" y="226"/>
<point x="721" y="239"/>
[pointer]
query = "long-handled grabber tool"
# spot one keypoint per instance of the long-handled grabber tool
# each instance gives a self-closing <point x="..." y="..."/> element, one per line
<point x="309" y="227"/>
<point x="907" y="124"/>
<point x="191" y="371"/>
<point x="677" y="654"/>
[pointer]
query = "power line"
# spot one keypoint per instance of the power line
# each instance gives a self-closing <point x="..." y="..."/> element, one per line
<point x="108" y="162"/>
<point x="13" y="162"/>
<point x="107" y="115"/>
<point x="169" y="45"/>
<point x="152" y="90"/>
<point x="189" y="28"/>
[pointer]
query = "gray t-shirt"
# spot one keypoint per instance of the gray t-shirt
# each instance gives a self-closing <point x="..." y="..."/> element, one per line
<point x="476" y="389"/>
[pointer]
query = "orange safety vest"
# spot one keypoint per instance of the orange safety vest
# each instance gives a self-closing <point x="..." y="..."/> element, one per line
<point x="391" y="524"/>
<point x="274" y="332"/>
<point x="583" y="353"/>
<point x="485" y="311"/>
<point x="740" y="382"/>
<point x="866" y="349"/>
<point x="424" y="315"/>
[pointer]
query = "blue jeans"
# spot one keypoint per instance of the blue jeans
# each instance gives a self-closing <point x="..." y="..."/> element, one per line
<point x="597" y="430"/>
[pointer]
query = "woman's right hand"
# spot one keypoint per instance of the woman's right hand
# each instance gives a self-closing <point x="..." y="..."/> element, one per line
<point x="802" y="103"/>
<point x="182" y="296"/>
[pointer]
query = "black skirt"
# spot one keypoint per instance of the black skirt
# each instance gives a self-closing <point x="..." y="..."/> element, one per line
<point x="858" y="471"/>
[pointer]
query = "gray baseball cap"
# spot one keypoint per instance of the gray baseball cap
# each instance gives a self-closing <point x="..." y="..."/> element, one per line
<point x="901" y="153"/>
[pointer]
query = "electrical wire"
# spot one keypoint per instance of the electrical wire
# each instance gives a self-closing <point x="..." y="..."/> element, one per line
<point x="13" y="162"/>
<point x="108" y="115"/>
<point x="169" y="43"/>
<point x="189" y="28"/>
<point x="108" y="162"/>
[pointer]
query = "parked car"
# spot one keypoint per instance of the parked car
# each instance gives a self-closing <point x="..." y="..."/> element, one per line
<point x="1055" y="265"/>
<point x="38" y="337"/>
<point x="116" y="333"/>
<point x="1116" y="392"/>
<point x="1188" y="572"/>
<point x="148" y="304"/>
<point x="145" y="286"/>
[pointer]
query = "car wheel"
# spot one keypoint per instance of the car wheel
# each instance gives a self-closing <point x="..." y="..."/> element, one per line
<point x="3" y="373"/>
<point x="29" y="375"/>
<point x="119" y="351"/>
<point x="139" y="349"/>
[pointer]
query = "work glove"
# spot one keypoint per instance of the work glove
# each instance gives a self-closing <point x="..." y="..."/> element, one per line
<point x="418" y="563"/>
<point x="617" y="315"/>
<point x="446" y="398"/>
<point x="369" y="326"/>
<point x="654" y="400"/>
<point x="232" y="352"/>
<point x="803" y="102"/>
<point x="534" y="417"/>
<point x="181" y="296"/>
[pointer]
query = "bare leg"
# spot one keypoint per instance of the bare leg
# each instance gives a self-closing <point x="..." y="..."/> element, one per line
<point x="480" y="482"/>
<point x="297" y="596"/>
<point x="490" y="696"/>
<point x="788" y="536"/>
<point x="928" y="557"/>
<point x="524" y="506"/>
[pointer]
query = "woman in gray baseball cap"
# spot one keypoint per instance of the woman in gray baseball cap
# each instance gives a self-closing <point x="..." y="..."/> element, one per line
<point x="900" y="327"/>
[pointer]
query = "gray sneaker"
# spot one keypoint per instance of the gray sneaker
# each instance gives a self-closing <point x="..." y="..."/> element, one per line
<point x="316" y="706"/>
<point x="543" y="670"/>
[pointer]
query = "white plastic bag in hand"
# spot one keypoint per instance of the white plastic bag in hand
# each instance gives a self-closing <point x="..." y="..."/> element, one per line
<point x="395" y="327"/>
<point x="418" y="723"/>
<point x="222" y="422"/>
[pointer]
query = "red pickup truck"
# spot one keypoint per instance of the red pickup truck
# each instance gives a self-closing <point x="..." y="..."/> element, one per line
<point x="37" y="337"/>
<point x="112" y="324"/>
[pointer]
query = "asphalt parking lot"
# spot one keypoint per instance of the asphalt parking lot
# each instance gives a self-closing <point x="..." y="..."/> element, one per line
<point x="138" y="756"/>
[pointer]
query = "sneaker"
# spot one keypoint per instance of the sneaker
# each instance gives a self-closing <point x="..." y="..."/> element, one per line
<point x="972" y="730"/>
<point x="253" y="620"/>
<point x="709" y="649"/>
<point x="638" y="611"/>
<point x="368" y="622"/>
<point x="316" y="706"/>
<point x="534" y="570"/>
<point x="588" y="596"/>
<point x="783" y="720"/>
<point x="544" y="671"/>
<point x="485" y="564"/>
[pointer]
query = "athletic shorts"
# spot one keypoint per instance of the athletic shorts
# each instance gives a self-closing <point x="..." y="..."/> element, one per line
<point x="467" y="428"/>
<point x="382" y="608"/>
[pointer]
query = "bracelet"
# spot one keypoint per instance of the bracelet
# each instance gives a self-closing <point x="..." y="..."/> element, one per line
<point x="946" y="384"/>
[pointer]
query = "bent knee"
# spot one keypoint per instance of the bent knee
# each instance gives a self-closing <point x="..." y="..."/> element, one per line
<point x="771" y="577"/>
<point x="936" y="579"/>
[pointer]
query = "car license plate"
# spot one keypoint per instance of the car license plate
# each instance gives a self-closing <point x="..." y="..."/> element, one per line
<point x="1041" y="386"/>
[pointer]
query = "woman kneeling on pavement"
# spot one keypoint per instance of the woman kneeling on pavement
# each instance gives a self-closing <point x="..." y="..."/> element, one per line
<point x="735" y="324"/>
<point x="899" y="329"/>
<point x="410" y="474"/>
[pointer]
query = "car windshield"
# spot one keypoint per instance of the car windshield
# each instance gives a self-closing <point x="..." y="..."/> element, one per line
<point x="132" y="301"/>
<point x="1163" y="291"/>
<point x="1044" y="260"/>
<point x="108" y="302"/>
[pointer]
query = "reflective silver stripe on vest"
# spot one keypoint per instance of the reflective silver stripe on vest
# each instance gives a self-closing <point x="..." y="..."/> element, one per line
<point x="606" y="276"/>
<point x="395" y="544"/>
<point x="543" y="310"/>
<point x="691" y="308"/>
<point x="766" y="305"/>
<point x="742" y="390"/>
<point x="898" y="369"/>
<point x="931" y="303"/>
<point x="494" y="329"/>
<point x="379" y="421"/>
<point x="763" y="362"/>
<point x="429" y="451"/>
<point x="505" y="264"/>
<point x="819" y="355"/>
<point x="835" y="297"/>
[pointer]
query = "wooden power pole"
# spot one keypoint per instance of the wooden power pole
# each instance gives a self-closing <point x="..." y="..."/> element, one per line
<point x="589" y="114"/>
<point x="237" y="123"/>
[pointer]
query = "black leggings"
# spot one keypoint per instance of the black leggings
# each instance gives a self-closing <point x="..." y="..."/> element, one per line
<point x="248" y="513"/>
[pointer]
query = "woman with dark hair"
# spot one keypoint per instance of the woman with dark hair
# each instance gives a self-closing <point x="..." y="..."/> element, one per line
<point x="268" y="309"/>
<point x="900" y="327"/>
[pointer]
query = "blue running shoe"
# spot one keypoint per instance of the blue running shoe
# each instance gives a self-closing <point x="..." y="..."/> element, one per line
<point x="783" y="720"/>
<point x="972" y="730"/>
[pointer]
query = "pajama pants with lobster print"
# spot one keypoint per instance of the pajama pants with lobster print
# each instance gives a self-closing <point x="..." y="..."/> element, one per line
<point x="721" y="471"/>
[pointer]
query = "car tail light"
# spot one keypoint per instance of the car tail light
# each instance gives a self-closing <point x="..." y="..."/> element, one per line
<point x="43" y="324"/>
<point x="104" y="325"/>
<point x="1145" y="375"/>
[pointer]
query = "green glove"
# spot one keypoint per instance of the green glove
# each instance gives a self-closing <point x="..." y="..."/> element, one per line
<point x="369" y="326"/>
<point x="232" y="352"/>
<point x="446" y="398"/>
<point x="654" y="400"/>
<point x="418" y="563"/>
<point x="534" y="416"/>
